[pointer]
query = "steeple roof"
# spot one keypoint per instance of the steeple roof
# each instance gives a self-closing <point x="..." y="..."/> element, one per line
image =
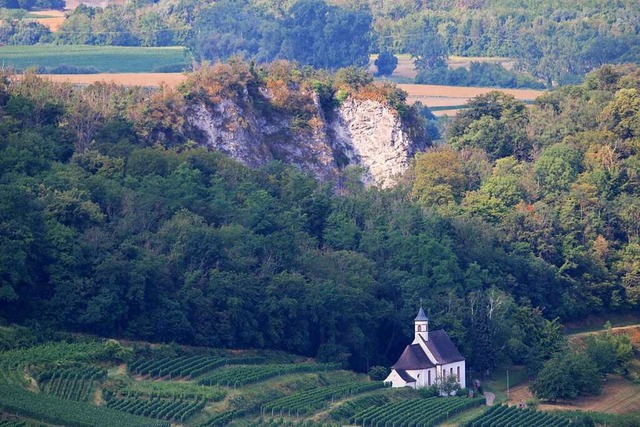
<point x="421" y="316"/>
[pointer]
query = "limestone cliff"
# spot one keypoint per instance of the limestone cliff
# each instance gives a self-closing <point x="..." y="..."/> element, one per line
<point x="357" y="132"/>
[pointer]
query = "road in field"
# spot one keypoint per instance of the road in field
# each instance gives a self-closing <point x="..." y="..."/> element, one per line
<point x="429" y="95"/>
<point x="619" y="396"/>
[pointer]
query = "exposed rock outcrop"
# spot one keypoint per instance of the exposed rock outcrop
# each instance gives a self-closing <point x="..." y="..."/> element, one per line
<point x="358" y="132"/>
<point x="371" y="134"/>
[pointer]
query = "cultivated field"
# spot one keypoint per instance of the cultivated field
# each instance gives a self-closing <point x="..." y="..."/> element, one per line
<point x="103" y="58"/>
<point x="52" y="19"/>
<point x="456" y="96"/>
<point x="438" y="97"/>
<point x="126" y="79"/>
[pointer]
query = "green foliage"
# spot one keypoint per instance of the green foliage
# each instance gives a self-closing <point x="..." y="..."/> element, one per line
<point x="440" y="177"/>
<point x="378" y="373"/>
<point x="386" y="62"/>
<point x="567" y="376"/>
<point x="427" y="392"/>
<point x="23" y="33"/>
<point x="481" y="74"/>
<point x="610" y="352"/>
<point x="495" y="123"/>
<point x="428" y="51"/>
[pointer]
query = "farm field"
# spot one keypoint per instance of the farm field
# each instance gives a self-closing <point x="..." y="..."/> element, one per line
<point x="438" y="97"/>
<point x="52" y="19"/>
<point x="103" y="58"/>
<point x="456" y="96"/>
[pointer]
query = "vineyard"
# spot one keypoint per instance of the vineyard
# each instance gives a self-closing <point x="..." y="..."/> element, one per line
<point x="309" y="401"/>
<point x="504" y="416"/>
<point x="71" y="383"/>
<point x="221" y="419"/>
<point x="19" y="401"/>
<point x="19" y="423"/>
<point x="352" y="407"/>
<point x="189" y="367"/>
<point x="171" y="389"/>
<point x="415" y="412"/>
<point x="242" y="375"/>
<point x="166" y="409"/>
<point x="282" y="422"/>
<point x="106" y="384"/>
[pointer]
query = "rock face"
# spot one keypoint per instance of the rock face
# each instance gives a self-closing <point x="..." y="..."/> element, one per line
<point x="373" y="136"/>
<point x="364" y="133"/>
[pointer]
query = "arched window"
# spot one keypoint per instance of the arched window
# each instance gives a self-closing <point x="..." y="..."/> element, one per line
<point x="428" y="377"/>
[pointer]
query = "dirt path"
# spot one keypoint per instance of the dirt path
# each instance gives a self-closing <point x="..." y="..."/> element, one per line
<point x="617" y="328"/>
<point x="619" y="396"/>
<point x="489" y="397"/>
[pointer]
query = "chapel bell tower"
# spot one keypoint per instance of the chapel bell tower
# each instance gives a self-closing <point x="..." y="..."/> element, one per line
<point x="421" y="326"/>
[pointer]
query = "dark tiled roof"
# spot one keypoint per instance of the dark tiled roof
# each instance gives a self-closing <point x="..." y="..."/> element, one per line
<point x="421" y="316"/>
<point x="413" y="357"/>
<point x="405" y="376"/>
<point x="442" y="347"/>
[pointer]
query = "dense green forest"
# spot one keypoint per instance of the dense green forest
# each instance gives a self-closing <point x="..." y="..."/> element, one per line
<point x="113" y="221"/>
<point x="555" y="42"/>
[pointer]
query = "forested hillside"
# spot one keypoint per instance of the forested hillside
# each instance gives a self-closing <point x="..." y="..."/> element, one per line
<point x="555" y="42"/>
<point x="114" y="222"/>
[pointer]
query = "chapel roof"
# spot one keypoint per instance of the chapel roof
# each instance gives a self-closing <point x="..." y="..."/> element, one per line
<point x="405" y="376"/>
<point x="442" y="348"/>
<point x="413" y="357"/>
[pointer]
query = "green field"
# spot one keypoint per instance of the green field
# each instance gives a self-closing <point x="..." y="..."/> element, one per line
<point x="105" y="59"/>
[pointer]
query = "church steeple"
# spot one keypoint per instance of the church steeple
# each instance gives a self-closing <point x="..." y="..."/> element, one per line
<point x="421" y="326"/>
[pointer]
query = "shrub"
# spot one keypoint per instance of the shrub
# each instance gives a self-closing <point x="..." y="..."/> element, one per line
<point x="427" y="392"/>
<point x="386" y="63"/>
<point x="378" y="373"/>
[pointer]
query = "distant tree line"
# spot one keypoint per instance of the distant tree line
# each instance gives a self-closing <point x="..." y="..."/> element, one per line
<point x="32" y="4"/>
<point x="552" y="42"/>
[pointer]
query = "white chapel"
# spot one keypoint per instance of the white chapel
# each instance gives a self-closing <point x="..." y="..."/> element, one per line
<point x="430" y="358"/>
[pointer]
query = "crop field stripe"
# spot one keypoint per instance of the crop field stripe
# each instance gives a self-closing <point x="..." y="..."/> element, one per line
<point x="103" y="58"/>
